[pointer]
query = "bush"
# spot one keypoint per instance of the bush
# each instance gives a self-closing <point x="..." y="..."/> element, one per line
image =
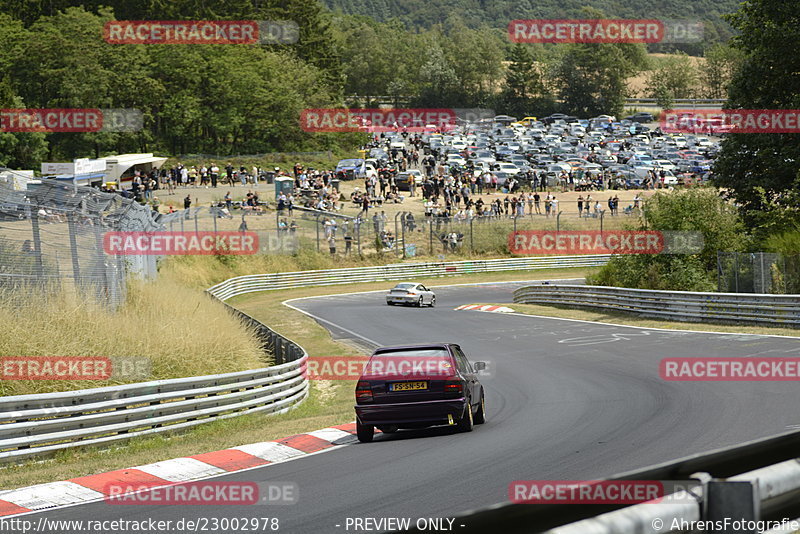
<point x="677" y="273"/>
<point x="700" y="210"/>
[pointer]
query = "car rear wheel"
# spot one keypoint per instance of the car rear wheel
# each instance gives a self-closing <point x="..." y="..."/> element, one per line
<point x="480" y="417"/>
<point x="364" y="432"/>
<point x="466" y="422"/>
<point x="433" y="301"/>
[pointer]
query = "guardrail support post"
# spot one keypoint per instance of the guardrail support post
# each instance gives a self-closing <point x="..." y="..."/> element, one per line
<point x="728" y="502"/>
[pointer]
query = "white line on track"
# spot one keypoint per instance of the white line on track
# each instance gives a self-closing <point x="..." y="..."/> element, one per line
<point x="285" y="303"/>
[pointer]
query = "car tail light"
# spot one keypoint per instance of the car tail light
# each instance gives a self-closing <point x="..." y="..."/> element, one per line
<point x="454" y="388"/>
<point x="363" y="392"/>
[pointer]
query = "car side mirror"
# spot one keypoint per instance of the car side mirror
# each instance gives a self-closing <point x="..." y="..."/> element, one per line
<point x="479" y="366"/>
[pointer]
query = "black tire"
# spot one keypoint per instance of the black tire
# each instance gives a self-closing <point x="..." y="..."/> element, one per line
<point x="390" y="303"/>
<point x="466" y="423"/>
<point x="419" y="303"/>
<point x="433" y="301"/>
<point x="364" y="432"/>
<point x="480" y="417"/>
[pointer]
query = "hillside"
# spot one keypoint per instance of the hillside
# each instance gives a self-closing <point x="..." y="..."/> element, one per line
<point x="497" y="13"/>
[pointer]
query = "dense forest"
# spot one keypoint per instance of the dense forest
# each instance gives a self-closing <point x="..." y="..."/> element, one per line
<point x="420" y="14"/>
<point x="247" y="99"/>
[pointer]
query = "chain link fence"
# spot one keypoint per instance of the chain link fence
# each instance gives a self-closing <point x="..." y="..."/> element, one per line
<point x="51" y="237"/>
<point x="758" y="272"/>
<point x="407" y="235"/>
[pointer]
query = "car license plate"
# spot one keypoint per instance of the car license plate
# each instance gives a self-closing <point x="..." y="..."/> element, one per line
<point x="407" y="386"/>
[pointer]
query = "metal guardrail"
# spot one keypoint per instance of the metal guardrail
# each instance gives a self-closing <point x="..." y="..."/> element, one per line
<point x="42" y="424"/>
<point x="399" y="271"/>
<point x="740" y="308"/>
<point x="769" y="464"/>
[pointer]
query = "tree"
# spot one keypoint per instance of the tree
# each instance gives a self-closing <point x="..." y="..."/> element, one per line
<point x="523" y="88"/>
<point x="760" y="170"/>
<point x="693" y="210"/>
<point x="440" y="83"/>
<point x="675" y="76"/>
<point x="721" y="63"/>
<point x="593" y="77"/>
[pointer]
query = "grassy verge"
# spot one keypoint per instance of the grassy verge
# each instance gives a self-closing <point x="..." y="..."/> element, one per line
<point x="632" y="320"/>
<point x="330" y="403"/>
<point x="202" y="272"/>
<point x="180" y="330"/>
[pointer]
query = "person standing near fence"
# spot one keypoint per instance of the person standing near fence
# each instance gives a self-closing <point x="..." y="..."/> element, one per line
<point x="580" y="206"/>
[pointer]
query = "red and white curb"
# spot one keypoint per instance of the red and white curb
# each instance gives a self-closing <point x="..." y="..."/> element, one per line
<point x="200" y="466"/>
<point x="485" y="308"/>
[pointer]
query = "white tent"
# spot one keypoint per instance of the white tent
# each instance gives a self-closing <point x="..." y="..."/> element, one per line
<point x="121" y="169"/>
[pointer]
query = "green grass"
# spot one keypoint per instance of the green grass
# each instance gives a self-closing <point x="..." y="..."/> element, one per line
<point x="631" y="319"/>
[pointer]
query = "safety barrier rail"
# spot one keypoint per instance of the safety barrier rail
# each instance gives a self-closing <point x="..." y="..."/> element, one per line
<point x="740" y="308"/>
<point x="241" y="285"/>
<point x="751" y="482"/>
<point x="41" y="424"/>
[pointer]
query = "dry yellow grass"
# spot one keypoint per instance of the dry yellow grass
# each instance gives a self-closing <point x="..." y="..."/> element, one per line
<point x="182" y="331"/>
<point x="330" y="403"/>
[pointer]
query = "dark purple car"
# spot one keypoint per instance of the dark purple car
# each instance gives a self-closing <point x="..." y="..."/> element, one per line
<point x="417" y="386"/>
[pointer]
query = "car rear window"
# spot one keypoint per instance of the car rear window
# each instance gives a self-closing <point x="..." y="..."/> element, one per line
<point x="404" y="286"/>
<point x="410" y="363"/>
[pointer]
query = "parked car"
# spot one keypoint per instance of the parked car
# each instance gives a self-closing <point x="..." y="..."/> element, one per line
<point x="403" y="179"/>
<point x="642" y="116"/>
<point x="418" y="386"/>
<point x="350" y="169"/>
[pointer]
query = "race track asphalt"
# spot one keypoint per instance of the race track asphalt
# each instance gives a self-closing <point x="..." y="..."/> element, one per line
<point x="566" y="400"/>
